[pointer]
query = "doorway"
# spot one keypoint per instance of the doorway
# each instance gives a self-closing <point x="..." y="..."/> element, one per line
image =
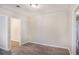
<point x="15" y="31"/>
<point x="77" y="35"/>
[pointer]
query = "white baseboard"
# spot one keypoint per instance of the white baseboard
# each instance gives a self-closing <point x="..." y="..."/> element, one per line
<point x="24" y="42"/>
<point x="51" y="46"/>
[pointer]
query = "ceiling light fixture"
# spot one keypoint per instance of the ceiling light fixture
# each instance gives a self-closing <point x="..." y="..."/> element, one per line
<point x="34" y="5"/>
<point x="18" y="6"/>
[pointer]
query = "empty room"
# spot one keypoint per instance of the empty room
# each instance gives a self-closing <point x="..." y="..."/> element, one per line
<point x="39" y="29"/>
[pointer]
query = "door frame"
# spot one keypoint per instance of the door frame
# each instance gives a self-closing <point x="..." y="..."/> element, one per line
<point x="74" y="37"/>
<point x="10" y="32"/>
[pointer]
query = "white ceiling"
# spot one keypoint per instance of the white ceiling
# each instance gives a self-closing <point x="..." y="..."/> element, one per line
<point x="27" y="9"/>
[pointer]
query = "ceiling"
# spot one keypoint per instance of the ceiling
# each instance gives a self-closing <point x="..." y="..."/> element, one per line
<point x="27" y="9"/>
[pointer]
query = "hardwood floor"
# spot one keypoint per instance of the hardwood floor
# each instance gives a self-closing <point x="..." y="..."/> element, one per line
<point x="14" y="44"/>
<point x="35" y="49"/>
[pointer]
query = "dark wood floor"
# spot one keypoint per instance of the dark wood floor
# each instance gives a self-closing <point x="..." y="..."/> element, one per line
<point x="36" y="49"/>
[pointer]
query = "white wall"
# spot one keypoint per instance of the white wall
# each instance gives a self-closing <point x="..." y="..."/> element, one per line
<point x="51" y="29"/>
<point x="4" y="36"/>
<point x="24" y="30"/>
